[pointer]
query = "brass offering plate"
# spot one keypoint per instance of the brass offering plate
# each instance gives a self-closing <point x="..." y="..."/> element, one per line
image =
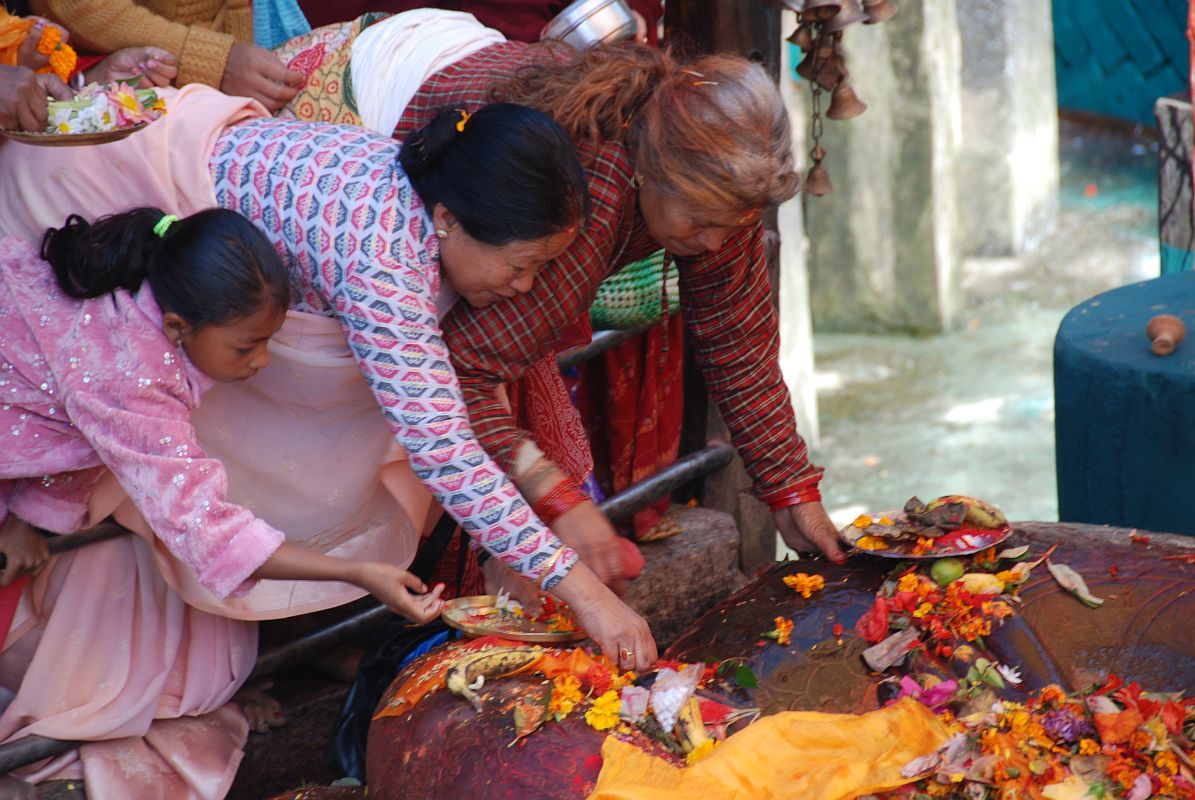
<point x="479" y="616"/>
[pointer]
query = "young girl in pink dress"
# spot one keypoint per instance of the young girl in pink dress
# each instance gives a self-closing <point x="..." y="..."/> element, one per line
<point x="107" y="342"/>
<point x="109" y="336"/>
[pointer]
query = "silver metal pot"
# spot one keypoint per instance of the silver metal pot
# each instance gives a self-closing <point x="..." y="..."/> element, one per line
<point x="586" y="23"/>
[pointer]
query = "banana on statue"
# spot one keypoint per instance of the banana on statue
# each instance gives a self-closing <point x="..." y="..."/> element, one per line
<point x="980" y="513"/>
<point x="469" y="672"/>
<point x="690" y="729"/>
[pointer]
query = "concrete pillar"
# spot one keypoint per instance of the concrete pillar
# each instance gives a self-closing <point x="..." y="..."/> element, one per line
<point x="885" y="248"/>
<point x="1008" y="163"/>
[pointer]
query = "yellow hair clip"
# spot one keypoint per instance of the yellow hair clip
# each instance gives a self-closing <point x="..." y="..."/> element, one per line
<point x="460" y="125"/>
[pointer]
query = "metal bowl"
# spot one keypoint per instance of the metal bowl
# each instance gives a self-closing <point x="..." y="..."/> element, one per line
<point x="587" y="23"/>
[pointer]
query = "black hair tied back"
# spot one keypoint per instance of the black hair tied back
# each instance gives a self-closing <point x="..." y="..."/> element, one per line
<point x="506" y="172"/>
<point x="210" y="268"/>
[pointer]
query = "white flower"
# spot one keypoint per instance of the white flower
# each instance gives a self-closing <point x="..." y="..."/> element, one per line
<point x="1009" y="673"/>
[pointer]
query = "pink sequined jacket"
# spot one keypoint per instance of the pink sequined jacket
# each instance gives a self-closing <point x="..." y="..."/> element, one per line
<point x="96" y="383"/>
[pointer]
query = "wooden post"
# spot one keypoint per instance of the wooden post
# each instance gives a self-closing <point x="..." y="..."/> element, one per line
<point x="750" y="28"/>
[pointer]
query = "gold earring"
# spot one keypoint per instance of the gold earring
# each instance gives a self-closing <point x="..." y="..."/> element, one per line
<point x="441" y="233"/>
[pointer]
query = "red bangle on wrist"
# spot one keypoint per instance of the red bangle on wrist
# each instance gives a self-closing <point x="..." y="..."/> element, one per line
<point x="562" y="497"/>
<point x="804" y="494"/>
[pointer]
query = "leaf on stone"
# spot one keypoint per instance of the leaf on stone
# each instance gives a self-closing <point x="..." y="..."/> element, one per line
<point x="744" y="677"/>
<point x="1012" y="553"/>
<point x="1073" y="582"/>
<point x="530" y="712"/>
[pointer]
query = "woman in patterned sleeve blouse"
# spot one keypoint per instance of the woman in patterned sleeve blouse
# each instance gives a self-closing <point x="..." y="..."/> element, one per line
<point x="680" y="156"/>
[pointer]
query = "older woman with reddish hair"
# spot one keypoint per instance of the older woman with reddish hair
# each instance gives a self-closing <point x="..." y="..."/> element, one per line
<point x="684" y="156"/>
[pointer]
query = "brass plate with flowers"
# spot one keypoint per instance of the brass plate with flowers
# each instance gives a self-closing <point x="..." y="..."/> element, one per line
<point x="952" y="525"/>
<point x="71" y="139"/>
<point x="496" y="615"/>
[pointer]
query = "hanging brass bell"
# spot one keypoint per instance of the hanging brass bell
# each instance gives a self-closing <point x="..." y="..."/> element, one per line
<point x="849" y="14"/>
<point x="820" y="10"/>
<point x="844" y="103"/>
<point x="879" y="10"/>
<point x="820" y="65"/>
<point x="802" y="37"/>
<point x="817" y="183"/>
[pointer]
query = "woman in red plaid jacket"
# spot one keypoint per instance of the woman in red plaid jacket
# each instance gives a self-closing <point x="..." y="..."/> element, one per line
<point x="684" y="156"/>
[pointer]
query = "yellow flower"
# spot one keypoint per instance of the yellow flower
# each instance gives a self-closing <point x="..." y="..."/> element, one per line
<point x="908" y="582"/>
<point x="805" y="584"/>
<point x="862" y="521"/>
<point x="964" y="652"/>
<point x="566" y="693"/>
<point x="1088" y="747"/>
<point x="603" y="714"/>
<point x="886" y="521"/>
<point x="700" y="751"/>
<point x="923" y="609"/>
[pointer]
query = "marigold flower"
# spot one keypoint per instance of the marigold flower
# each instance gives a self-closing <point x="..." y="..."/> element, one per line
<point x="700" y="752"/>
<point x="1141" y="740"/>
<point x="782" y="633"/>
<point x="923" y="609"/>
<point x="805" y="584"/>
<point x="862" y="521"/>
<point x="566" y="693"/>
<point x="603" y="714"/>
<point x="1166" y="761"/>
<point x="1088" y="747"/>
<point x="908" y="582"/>
<point x="1052" y="694"/>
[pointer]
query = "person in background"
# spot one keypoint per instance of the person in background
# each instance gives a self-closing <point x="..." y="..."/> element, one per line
<point x="213" y="40"/>
<point x="28" y="78"/>
<point x="519" y="20"/>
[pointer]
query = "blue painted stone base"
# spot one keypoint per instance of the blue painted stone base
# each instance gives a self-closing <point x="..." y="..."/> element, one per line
<point x="1125" y="418"/>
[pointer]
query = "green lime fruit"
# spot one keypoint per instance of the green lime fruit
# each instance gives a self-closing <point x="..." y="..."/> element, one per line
<point x="947" y="570"/>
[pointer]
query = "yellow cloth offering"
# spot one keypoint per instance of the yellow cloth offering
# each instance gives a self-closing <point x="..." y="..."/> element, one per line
<point x="795" y="754"/>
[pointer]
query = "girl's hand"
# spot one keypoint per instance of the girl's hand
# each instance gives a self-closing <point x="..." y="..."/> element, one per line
<point x="26" y="550"/>
<point x="401" y="592"/>
<point x="152" y="65"/>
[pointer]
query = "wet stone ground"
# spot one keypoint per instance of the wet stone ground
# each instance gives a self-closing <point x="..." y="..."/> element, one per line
<point x="972" y="411"/>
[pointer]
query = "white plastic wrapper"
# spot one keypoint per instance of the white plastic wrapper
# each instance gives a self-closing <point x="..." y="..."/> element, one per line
<point x="672" y="690"/>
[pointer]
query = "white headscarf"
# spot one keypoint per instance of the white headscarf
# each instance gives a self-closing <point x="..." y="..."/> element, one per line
<point x="392" y="59"/>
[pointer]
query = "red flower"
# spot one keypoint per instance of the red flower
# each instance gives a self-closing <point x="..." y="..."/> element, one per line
<point x="873" y="626"/>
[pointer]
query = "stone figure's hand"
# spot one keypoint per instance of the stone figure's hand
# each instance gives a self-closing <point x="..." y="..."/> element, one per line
<point x="807" y="528"/>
